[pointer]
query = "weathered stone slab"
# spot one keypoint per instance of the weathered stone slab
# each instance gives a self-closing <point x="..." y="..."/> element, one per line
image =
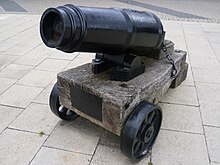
<point x="120" y="98"/>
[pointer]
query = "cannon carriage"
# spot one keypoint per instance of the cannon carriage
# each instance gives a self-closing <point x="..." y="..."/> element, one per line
<point x="133" y="68"/>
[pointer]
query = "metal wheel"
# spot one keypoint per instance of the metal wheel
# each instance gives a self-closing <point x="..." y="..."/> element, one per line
<point x="59" y="110"/>
<point x="140" y="130"/>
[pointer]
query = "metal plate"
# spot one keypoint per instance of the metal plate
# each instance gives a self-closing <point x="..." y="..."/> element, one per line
<point x="86" y="102"/>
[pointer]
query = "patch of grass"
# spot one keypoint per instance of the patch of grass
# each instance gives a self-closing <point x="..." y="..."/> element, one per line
<point x="41" y="133"/>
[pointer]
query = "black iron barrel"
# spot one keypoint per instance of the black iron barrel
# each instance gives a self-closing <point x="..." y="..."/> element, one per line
<point x="104" y="30"/>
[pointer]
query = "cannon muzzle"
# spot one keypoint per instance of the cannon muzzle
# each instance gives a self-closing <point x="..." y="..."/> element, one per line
<point x="101" y="30"/>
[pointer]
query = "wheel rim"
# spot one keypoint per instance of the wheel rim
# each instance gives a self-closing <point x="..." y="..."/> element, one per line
<point x="59" y="110"/>
<point x="140" y="130"/>
<point x="147" y="132"/>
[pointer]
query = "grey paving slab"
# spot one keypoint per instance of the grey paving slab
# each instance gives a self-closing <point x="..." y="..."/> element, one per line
<point x="41" y="50"/>
<point x="189" y="79"/>
<point x="213" y="37"/>
<point x="81" y="59"/>
<point x="203" y="58"/>
<point x="19" y="50"/>
<point x="7" y="115"/>
<point x="206" y="75"/>
<point x="37" y="117"/>
<point x="6" y="59"/>
<point x="200" y="40"/>
<point x="14" y="71"/>
<point x="215" y="163"/>
<point x="58" y="157"/>
<point x="112" y="156"/>
<point x="109" y="139"/>
<point x="19" y="96"/>
<point x="210" y="27"/>
<point x="180" y="148"/>
<point x="192" y="28"/>
<point x="208" y="92"/>
<point x="37" y="78"/>
<point x="181" y="95"/>
<point x="43" y="98"/>
<point x="61" y="55"/>
<point x="78" y="136"/>
<point x="212" y="137"/>
<point x="19" y="147"/>
<point x="5" y="46"/>
<point x="181" y="118"/>
<point x="30" y="59"/>
<point x="53" y="65"/>
<point x="5" y="84"/>
<point x="210" y="113"/>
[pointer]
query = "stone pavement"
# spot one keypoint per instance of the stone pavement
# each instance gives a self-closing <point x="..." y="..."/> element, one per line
<point x="186" y="10"/>
<point x="31" y="134"/>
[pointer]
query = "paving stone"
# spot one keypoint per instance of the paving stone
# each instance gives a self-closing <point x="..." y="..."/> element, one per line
<point x="78" y="136"/>
<point x="81" y="59"/>
<point x="58" y="157"/>
<point x="15" y="40"/>
<point x="192" y="28"/>
<point x="215" y="163"/>
<point x="208" y="92"/>
<point x="210" y="113"/>
<point x="109" y="139"/>
<point x="14" y="71"/>
<point x="210" y="27"/>
<point x="6" y="59"/>
<point x="19" y="50"/>
<point x="19" y="96"/>
<point x="19" y="147"/>
<point x="199" y="39"/>
<point x="5" y="84"/>
<point x="62" y="55"/>
<point x="181" y="95"/>
<point x="181" y="118"/>
<point x="30" y="59"/>
<point x="41" y="50"/>
<point x="43" y="98"/>
<point x="53" y="65"/>
<point x="112" y="155"/>
<point x="179" y="41"/>
<point x="189" y="79"/>
<point x="37" y="78"/>
<point x="179" y="148"/>
<point x="213" y="37"/>
<point x="7" y="115"/>
<point x="206" y="75"/>
<point x="37" y="118"/>
<point x="5" y="46"/>
<point x="212" y="138"/>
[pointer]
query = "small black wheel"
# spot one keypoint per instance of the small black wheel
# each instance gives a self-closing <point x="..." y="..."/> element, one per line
<point x="140" y="130"/>
<point x="59" y="110"/>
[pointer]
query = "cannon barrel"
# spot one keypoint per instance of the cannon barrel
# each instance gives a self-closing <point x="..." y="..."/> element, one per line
<point x="103" y="30"/>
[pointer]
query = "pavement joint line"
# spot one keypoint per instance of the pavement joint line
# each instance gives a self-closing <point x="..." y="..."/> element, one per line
<point x="214" y="83"/>
<point x="180" y="104"/>
<point x="197" y="94"/>
<point x="210" y="44"/>
<point x="95" y="148"/>
<point x="43" y="143"/>
<point x="213" y="126"/>
<point x="81" y="153"/>
<point x="179" y="131"/>
<point x="17" y="26"/>
<point x="11" y="106"/>
<point x="22" y="130"/>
